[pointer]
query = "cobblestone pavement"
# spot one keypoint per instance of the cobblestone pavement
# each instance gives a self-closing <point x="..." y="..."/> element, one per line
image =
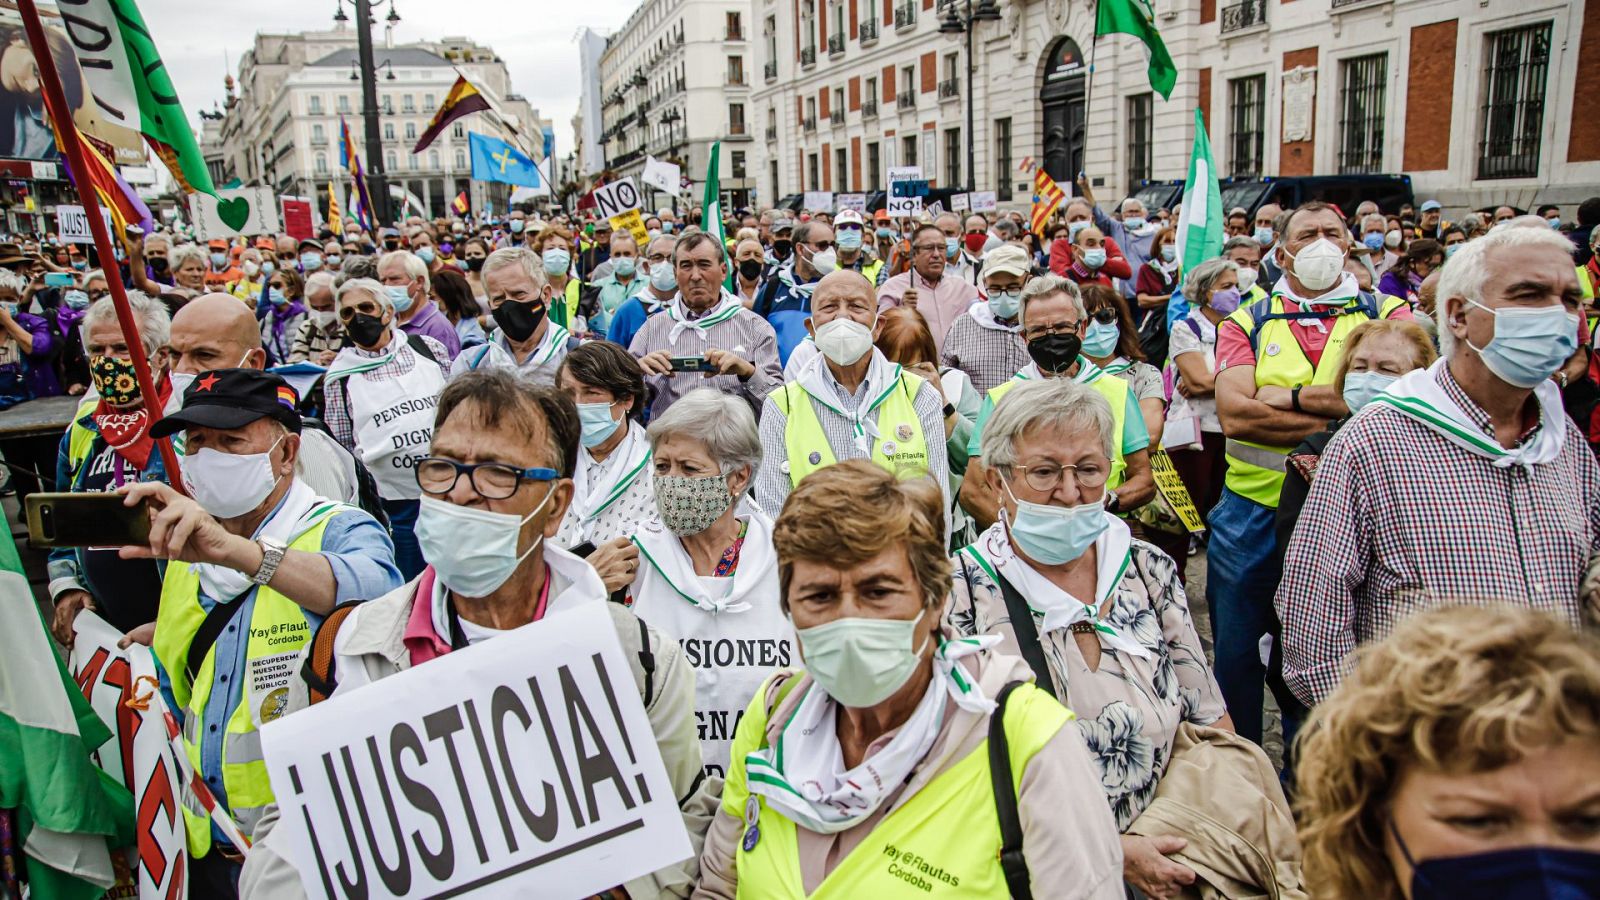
<point x="1195" y="584"/>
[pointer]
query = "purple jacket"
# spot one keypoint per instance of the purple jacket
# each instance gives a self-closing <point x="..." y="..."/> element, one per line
<point x="431" y="322"/>
<point x="37" y="375"/>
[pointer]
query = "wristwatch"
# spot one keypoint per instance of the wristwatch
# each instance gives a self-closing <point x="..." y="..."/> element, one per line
<point x="272" y="551"/>
<point x="1113" y="502"/>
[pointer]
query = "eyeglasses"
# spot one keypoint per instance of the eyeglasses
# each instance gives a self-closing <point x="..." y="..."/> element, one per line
<point x="1047" y="330"/>
<point x="1046" y="475"/>
<point x="928" y="248"/>
<point x="365" y="307"/>
<point x="1105" y="315"/>
<point x="820" y="246"/>
<point x="492" y="481"/>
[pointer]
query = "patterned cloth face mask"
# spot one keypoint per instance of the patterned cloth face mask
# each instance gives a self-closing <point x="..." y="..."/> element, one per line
<point x="688" y="505"/>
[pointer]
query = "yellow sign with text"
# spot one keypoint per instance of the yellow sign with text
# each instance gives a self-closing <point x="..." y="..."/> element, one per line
<point x="1170" y="485"/>
<point x="634" y="223"/>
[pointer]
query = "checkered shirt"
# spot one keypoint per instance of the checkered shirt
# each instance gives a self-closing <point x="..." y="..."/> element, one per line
<point x="337" y="414"/>
<point x="988" y="357"/>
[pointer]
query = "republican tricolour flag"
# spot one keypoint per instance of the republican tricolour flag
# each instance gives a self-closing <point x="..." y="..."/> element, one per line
<point x="1200" y="222"/>
<point x="1047" y="196"/>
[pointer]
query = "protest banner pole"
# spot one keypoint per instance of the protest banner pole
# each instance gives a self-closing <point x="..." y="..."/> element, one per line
<point x="71" y="143"/>
<point x="1088" y="94"/>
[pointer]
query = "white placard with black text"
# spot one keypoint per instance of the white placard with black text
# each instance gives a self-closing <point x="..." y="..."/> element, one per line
<point x="616" y="198"/>
<point x="72" y="224"/>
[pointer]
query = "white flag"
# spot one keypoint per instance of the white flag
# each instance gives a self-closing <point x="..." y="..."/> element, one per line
<point x="661" y="175"/>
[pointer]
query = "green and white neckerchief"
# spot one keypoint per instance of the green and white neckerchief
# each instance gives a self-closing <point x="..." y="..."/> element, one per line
<point x="1419" y="396"/>
<point x="802" y="774"/>
<point x="1117" y="366"/>
<point x="727" y="307"/>
<point x="617" y="474"/>
<point x="1088" y="372"/>
<point x="883" y="379"/>
<point x="993" y="553"/>
<point x="351" y="360"/>
<point x="555" y="340"/>
<point x="664" y="552"/>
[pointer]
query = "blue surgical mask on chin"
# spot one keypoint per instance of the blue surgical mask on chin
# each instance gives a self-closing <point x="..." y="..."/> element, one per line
<point x="1056" y="535"/>
<point x="1529" y="345"/>
<point x="1361" y="387"/>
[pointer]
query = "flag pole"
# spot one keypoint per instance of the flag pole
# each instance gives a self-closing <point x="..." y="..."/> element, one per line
<point x="1088" y="92"/>
<point x="71" y="142"/>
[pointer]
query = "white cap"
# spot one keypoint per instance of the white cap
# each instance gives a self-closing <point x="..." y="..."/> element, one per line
<point x="848" y="217"/>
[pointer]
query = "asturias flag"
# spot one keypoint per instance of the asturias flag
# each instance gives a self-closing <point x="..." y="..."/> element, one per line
<point x="1137" y="17"/>
<point x="496" y="160"/>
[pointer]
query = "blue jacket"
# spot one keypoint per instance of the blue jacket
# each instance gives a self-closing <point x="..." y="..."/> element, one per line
<point x="786" y="308"/>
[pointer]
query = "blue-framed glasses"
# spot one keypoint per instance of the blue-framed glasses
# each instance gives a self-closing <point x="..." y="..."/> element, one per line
<point x="492" y="481"/>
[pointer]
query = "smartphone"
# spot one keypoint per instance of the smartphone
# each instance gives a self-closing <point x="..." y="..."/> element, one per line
<point x="60" y="279"/>
<point x="91" y="519"/>
<point x="689" y="364"/>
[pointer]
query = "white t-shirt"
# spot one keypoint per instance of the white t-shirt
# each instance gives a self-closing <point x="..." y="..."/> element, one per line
<point x="1184" y="340"/>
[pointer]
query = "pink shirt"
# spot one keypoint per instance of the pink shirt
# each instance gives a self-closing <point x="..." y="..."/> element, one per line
<point x="940" y="305"/>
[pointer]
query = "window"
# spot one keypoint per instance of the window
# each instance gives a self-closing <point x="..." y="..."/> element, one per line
<point x="736" y="118"/>
<point x="1361" y="113"/>
<point x="811" y="109"/>
<point x="315" y="103"/>
<point x="738" y="164"/>
<point x="735" y="27"/>
<point x="908" y="82"/>
<point x="388" y="105"/>
<point x="908" y="150"/>
<point x="841" y="169"/>
<point x="322" y="163"/>
<point x="458" y="131"/>
<point x="408" y="103"/>
<point x="388" y="131"/>
<point x="1512" y="115"/>
<point x="736" y="70"/>
<point x="952" y="157"/>
<point x="461" y="159"/>
<point x="1140" y="138"/>
<point x="317" y="134"/>
<point x="388" y="160"/>
<point x="874" y="168"/>
<point x="343" y="103"/>
<point x="427" y="103"/>
<point x="772" y="172"/>
<point x="411" y="161"/>
<point x="1002" y="159"/>
<point x="433" y="160"/>
<point x="815" y="179"/>
<point x="1247" y="110"/>
<point x="411" y="131"/>
<point x="771" y="32"/>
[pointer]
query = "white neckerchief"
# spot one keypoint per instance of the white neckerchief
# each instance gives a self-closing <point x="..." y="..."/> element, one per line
<point x="1342" y="293"/>
<point x="291" y="520"/>
<point x="555" y="337"/>
<point x="993" y="552"/>
<point x="1118" y="365"/>
<point x="984" y="316"/>
<point x="1088" y="372"/>
<point x="727" y="307"/>
<point x="353" y="360"/>
<point x="803" y="289"/>
<point x="627" y="460"/>
<point x="819" y="382"/>
<point x="664" y="551"/>
<point x="802" y="775"/>
<point x="1166" y="268"/>
<point x="1418" y="395"/>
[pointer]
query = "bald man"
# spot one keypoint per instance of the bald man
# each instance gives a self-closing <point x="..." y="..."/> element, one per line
<point x="216" y="331"/>
<point x="808" y="423"/>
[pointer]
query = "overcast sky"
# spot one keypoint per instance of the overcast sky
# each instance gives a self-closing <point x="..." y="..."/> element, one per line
<point x="201" y="40"/>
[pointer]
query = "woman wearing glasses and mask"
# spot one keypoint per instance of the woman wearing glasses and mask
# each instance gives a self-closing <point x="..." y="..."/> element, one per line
<point x="380" y="394"/>
<point x="1101" y="617"/>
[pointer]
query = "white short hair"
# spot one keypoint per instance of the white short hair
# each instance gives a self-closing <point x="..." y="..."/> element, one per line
<point x="178" y="257"/>
<point x="721" y="422"/>
<point x="320" y="280"/>
<point x="413" y="264"/>
<point x="150" y="314"/>
<point x="1059" y="402"/>
<point x="521" y="257"/>
<point x="13" y="280"/>
<point x="1044" y="286"/>
<point x="365" y="286"/>
<point x="1466" y="272"/>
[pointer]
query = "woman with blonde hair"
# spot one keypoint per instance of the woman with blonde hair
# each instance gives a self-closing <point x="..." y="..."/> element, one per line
<point x="1457" y="760"/>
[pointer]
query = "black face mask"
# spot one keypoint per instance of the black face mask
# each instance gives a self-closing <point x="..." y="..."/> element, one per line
<point x="391" y="245"/>
<point x="365" y="330"/>
<point x="1055" y="352"/>
<point x="475" y="263"/>
<point x="750" y="269"/>
<point x="519" y="320"/>
<point x="158" y="264"/>
<point x="782" y="249"/>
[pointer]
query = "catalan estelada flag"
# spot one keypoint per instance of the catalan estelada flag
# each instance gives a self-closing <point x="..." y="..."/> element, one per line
<point x="461" y="204"/>
<point x="1046" y="197"/>
<point x="463" y="99"/>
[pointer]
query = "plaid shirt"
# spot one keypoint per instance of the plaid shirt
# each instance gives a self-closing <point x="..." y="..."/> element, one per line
<point x="337" y="414"/>
<point x="989" y="357"/>
<point x="746" y="334"/>
<point x="1399" y="520"/>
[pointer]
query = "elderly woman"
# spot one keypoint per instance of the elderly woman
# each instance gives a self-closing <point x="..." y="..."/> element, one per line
<point x="320" y="337"/>
<point x="1456" y="761"/>
<point x="611" y="492"/>
<point x="380" y="395"/>
<point x="1126" y="657"/>
<point x="1404" y="278"/>
<point x="189" y="270"/>
<point x="1194" y="433"/>
<point x="869" y="769"/>
<point x="707" y="576"/>
<point x="284" y="297"/>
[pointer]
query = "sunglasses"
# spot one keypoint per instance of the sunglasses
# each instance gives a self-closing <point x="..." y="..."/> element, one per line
<point x="365" y="308"/>
<point x="1105" y="315"/>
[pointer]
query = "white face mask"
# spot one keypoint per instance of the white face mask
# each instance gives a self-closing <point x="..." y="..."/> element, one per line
<point x="1247" y="279"/>
<point x="1318" y="264"/>
<point x="843" y="341"/>
<point x="324" y="318"/>
<point x="229" y="485"/>
<point x="825" y="261"/>
<point x="473" y="551"/>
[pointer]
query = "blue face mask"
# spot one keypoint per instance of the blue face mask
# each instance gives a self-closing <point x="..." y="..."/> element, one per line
<point x="597" y="423"/>
<point x="268" y="268"/>
<point x="1527" y="873"/>
<point x="1054" y="535"/>
<point x="1133" y="223"/>
<point x="556" y="262"/>
<point x="76" y="299"/>
<point x="1074" y="227"/>
<point x="1101" y="339"/>
<point x="1361" y="387"/>
<point x="218" y="260"/>
<point x="1169" y="252"/>
<point x="1094" y="257"/>
<point x="1005" y="304"/>
<point x="1529" y="345"/>
<point x="623" y="265"/>
<point x="885" y="234"/>
<point x="952" y="246"/>
<point x="1264" y="236"/>
<point x="276" y="297"/>
<point x="1555" y="222"/>
<point x="663" y="278"/>
<point x="425" y="254"/>
<point x="1374" y="241"/>
<point x="310" y="262"/>
<point x="516" y="226"/>
<point x="849" y="239"/>
<point x="400" y="296"/>
<point x="1450" y="249"/>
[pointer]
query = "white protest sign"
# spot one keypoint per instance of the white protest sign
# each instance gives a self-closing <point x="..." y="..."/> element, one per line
<point x="43" y="171"/>
<point x="233" y="212"/>
<point x="72" y="224"/>
<point x="857" y="202"/>
<point x="139" y="756"/>
<point x="935" y="208"/>
<point x="522" y="766"/>
<point x="616" y="198"/>
<point x="984" y="201"/>
<point x="818" y="201"/>
<point x="960" y="202"/>
<point x="905" y="173"/>
<point x="903" y="206"/>
<point x="662" y="175"/>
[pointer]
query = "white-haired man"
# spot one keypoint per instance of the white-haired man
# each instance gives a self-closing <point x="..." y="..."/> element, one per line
<point x="405" y="276"/>
<point x="527" y="341"/>
<point x="1464" y="480"/>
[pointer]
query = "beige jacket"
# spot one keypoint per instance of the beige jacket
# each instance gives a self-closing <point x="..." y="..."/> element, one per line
<point x="1220" y="792"/>
<point x="1069" y="838"/>
<point x="369" y="647"/>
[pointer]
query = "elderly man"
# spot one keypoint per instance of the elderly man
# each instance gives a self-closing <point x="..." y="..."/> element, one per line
<point x="849" y="402"/>
<point x="255" y="552"/>
<point x="986" y="343"/>
<point x="621" y="281"/>
<point x="319" y="338"/>
<point x="503" y="457"/>
<point x="1053" y="321"/>
<point x="659" y="286"/>
<point x="1266" y="220"/>
<point x="1135" y="234"/>
<point x="405" y="276"/>
<point x="706" y="338"/>
<point x="927" y="287"/>
<point x="1463" y="482"/>
<point x="785" y="300"/>
<point x="1276" y="364"/>
<point x="1433" y="223"/>
<point x="969" y="255"/>
<point x="528" y="340"/>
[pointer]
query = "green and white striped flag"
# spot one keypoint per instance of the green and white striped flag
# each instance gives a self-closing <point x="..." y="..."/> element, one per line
<point x="1200" y="222"/>
<point x="711" y="209"/>
<point x="69" y="812"/>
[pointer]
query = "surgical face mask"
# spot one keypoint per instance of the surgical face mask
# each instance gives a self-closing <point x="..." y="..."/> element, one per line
<point x="1247" y="278"/>
<point x="1555" y="222"/>
<point x="251" y="268"/>
<point x="426" y="255"/>
<point x="1133" y="223"/>
<point x="229" y="485"/>
<point x="1318" y="264"/>
<point x="80" y="264"/>
<point x="1529" y="345"/>
<point x="622" y="265"/>
<point x="218" y="260"/>
<point x="472" y="550"/>
<point x="557" y="262"/>
<point x="310" y="262"/>
<point x="324" y="319"/>
<point x="861" y="662"/>
<point x="1391" y="239"/>
<point x="1094" y="257"/>
<point x="1074" y="227"/>
<point x="843" y="341"/>
<point x="267" y="268"/>
<point x="1361" y="387"/>
<point x="952" y="246"/>
<point x="1225" y="301"/>
<point x="849" y="239"/>
<point x="885" y="234"/>
<point x="399" y="296"/>
<point x="1169" y="252"/>
<point x="598" y="426"/>
<point x="662" y="277"/>
<point x="516" y="226"/>
<point x="1450" y="250"/>
<point x="1055" y="535"/>
<point x="689" y="504"/>
<point x="276" y="297"/>
<point x="1264" y="236"/>
<point x="1373" y="240"/>
<point x="1005" y="304"/>
<point x="824" y="261"/>
<point x="334" y="259"/>
<point x="1055" y="352"/>
<point x="1100" y="339"/>
<point x="76" y="299"/>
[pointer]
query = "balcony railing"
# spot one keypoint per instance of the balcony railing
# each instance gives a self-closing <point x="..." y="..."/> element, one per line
<point x="808" y="124"/>
<point x="868" y="31"/>
<point x="736" y="79"/>
<point x="808" y="56"/>
<point x="1244" y="14"/>
<point x="869" y="109"/>
<point x="836" y="117"/>
<point x="905" y="15"/>
<point x="734" y="34"/>
<point x="949" y="89"/>
<point x="835" y="44"/>
<point x="906" y="100"/>
<point x="770" y="70"/>
<point x="319" y="142"/>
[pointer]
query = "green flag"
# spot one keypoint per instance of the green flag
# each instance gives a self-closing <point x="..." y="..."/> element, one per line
<point x="1137" y="17"/>
<point x="711" y="210"/>
<point x="131" y="86"/>
<point x="1200" y="222"/>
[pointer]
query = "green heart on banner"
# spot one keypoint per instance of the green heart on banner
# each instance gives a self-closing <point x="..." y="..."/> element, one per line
<point x="234" y="213"/>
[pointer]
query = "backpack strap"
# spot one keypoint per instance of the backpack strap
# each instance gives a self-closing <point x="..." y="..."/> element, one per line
<point x="1012" y="861"/>
<point x="318" y="670"/>
<point x="415" y="342"/>
<point x="1261" y="313"/>
<point x="764" y="299"/>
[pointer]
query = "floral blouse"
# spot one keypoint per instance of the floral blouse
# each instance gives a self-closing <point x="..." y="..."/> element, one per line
<point x="1129" y="709"/>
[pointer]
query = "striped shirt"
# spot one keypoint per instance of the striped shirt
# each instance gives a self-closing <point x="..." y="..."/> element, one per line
<point x="336" y="414"/>
<point x="746" y="334"/>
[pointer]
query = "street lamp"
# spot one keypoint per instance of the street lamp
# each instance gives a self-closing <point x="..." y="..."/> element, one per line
<point x="953" y="25"/>
<point x="367" y="71"/>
